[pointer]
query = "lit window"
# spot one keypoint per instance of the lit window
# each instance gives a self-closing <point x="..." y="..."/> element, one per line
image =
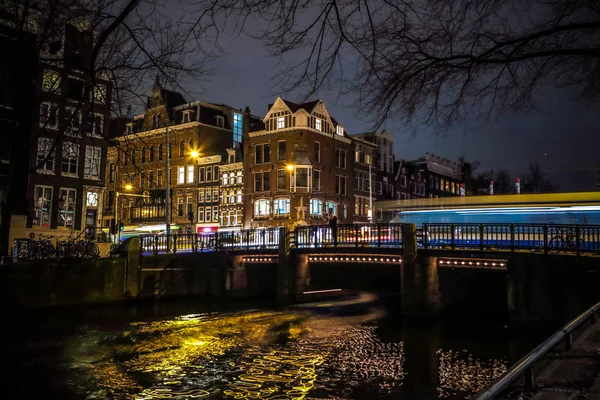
<point x="45" y="155"/>
<point x="51" y="81"/>
<point x="316" y="207"/>
<point x="66" y="207"/>
<point x="340" y="130"/>
<point x="237" y="127"/>
<point x="91" y="199"/>
<point x="98" y="94"/>
<point x="281" y="206"/>
<point x="331" y="207"/>
<point x="280" y="122"/>
<point x="93" y="157"/>
<point x="70" y="158"/>
<point x="42" y="205"/>
<point x="262" y="208"/>
<point x="318" y="124"/>
<point x="181" y="176"/>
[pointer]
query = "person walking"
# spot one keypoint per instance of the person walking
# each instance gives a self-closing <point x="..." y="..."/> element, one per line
<point x="333" y="226"/>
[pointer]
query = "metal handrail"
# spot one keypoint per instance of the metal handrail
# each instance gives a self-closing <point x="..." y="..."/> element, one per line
<point x="524" y="365"/>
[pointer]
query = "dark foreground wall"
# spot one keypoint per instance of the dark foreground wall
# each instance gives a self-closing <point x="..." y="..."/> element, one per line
<point x="64" y="282"/>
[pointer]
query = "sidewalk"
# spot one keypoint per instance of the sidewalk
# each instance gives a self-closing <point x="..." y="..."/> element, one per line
<point x="573" y="374"/>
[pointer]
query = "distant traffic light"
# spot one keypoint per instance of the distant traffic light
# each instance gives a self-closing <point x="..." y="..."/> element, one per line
<point x="121" y="226"/>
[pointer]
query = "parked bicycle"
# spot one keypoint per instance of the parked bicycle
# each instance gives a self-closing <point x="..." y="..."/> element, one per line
<point x="77" y="249"/>
<point x="565" y="241"/>
<point x="41" y="247"/>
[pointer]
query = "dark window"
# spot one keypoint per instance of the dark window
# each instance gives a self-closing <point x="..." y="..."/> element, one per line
<point x="111" y="175"/>
<point x="258" y="154"/>
<point x="266" y="181"/>
<point x="266" y="153"/>
<point x="318" y="152"/>
<point x="75" y="89"/>
<point x="281" y="179"/>
<point x="258" y="182"/>
<point x="281" y="150"/>
<point x="160" y="152"/>
<point x="151" y="155"/>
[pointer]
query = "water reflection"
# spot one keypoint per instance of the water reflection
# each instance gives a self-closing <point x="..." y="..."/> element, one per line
<point x="258" y="355"/>
<point x="460" y="371"/>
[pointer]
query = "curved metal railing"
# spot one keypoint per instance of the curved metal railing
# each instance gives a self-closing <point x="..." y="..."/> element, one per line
<point x="523" y="368"/>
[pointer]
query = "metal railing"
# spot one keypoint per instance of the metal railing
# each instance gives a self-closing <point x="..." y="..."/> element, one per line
<point x="523" y="368"/>
<point x="354" y="235"/>
<point x="250" y="239"/>
<point x="549" y="238"/>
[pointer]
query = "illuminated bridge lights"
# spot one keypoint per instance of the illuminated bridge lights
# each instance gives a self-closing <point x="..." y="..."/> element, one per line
<point x="356" y="258"/>
<point x="261" y="259"/>
<point x="480" y="263"/>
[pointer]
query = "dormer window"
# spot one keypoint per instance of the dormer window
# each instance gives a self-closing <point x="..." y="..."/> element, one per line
<point x="231" y="158"/>
<point x="220" y="121"/>
<point x="280" y="123"/>
<point x="318" y="124"/>
<point x="340" y="130"/>
<point x="154" y="121"/>
<point x="186" y="117"/>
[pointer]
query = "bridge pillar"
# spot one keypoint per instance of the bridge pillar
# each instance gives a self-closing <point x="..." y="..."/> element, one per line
<point x="284" y="267"/>
<point x="409" y="241"/>
<point x="419" y="286"/>
<point x="132" y="284"/>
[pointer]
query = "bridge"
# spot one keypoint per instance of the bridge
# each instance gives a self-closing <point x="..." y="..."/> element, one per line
<point x="544" y="238"/>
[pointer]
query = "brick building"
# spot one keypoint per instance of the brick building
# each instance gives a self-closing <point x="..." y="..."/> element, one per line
<point x="298" y="167"/>
<point x="383" y="167"/>
<point x="444" y="177"/>
<point x="410" y="181"/>
<point x="364" y="175"/>
<point x="199" y="135"/>
<point x="231" y="211"/>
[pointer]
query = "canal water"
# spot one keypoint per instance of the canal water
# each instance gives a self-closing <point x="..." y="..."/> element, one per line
<point x="197" y="350"/>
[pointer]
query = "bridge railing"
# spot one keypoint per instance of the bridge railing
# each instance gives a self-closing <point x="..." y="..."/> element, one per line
<point x="249" y="239"/>
<point x="377" y="235"/>
<point x="551" y="238"/>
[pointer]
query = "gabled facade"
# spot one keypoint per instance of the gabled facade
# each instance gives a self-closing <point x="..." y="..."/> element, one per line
<point x="444" y="177"/>
<point x="410" y="181"/>
<point x="231" y="210"/>
<point x="298" y="167"/>
<point x="364" y="176"/>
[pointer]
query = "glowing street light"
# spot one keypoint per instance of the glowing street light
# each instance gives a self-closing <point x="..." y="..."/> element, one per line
<point x="290" y="168"/>
<point x="128" y="187"/>
<point x="194" y="154"/>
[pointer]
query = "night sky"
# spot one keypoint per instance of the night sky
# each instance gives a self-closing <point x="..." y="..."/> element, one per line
<point x="562" y="135"/>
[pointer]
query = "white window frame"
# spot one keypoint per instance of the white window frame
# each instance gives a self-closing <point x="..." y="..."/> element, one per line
<point x="93" y="158"/>
<point x="45" y="147"/>
<point x="280" y="122"/>
<point x="262" y="208"/>
<point x="91" y="199"/>
<point x="69" y="149"/>
<point x="52" y="108"/>
<point x="333" y="205"/>
<point x="339" y="130"/>
<point x="42" y="207"/>
<point x="190" y="174"/>
<point x="315" y="207"/>
<point x="68" y="209"/>
<point x="318" y="124"/>
<point x="97" y="128"/>
<point x="180" y="175"/>
<point x="281" y="206"/>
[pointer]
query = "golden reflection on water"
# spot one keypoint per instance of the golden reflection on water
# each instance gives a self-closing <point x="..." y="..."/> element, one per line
<point x="254" y="355"/>
<point x="460" y="371"/>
